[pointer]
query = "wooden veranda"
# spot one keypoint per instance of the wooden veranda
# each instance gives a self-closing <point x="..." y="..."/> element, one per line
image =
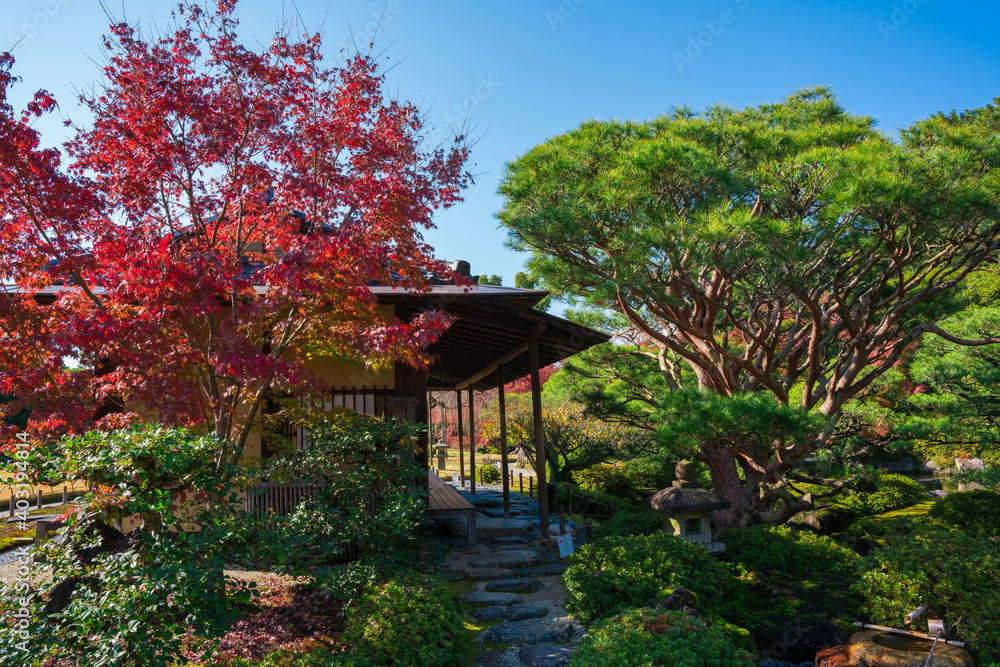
<point x="445" y="502"/>
<point x="496" y="337"/>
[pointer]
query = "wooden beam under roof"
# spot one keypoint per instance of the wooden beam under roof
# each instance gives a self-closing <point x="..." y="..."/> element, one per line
<point x="513" y="353"/>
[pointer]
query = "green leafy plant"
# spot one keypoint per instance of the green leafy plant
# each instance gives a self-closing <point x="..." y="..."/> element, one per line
<point x="134" y="599"/>
<point x="623" y="524"/>
<point x="370" y="502"/>
<point x="975" y="513"/>
<point x="957" y="574"/>
<point x="489" y="474"/>
<point x="648" y="473"/>
<point x="616" y="573"/>
<point x="658" y="638"/>
<point x="789" y="550"/>
<point x="893" y="492"/>
<point x="413" y="620"/>
<point x="604" y="479"/>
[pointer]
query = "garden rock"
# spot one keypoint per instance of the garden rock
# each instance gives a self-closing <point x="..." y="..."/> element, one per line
<point x="481" y="500"/>
<point x="510" y="559"/>
<point x="543" y="570"/>
<point x="528" y="633"/>
<point x="929" y="466"/>
<point x="680" y="599"/>
<point x="488" y="573"/>
<point x="509" y="541"/>
<point x="825" y="521"/>
<point x="545" y="656"/>
<point x="861" y="651"/>
<point x="490" y="528"/>
<point x="524" y="612"/>
<point x="905" y="464"/>
<point x="491" y="613"/>
<point x="514" y="585"/>
<point x="482" y="599"/>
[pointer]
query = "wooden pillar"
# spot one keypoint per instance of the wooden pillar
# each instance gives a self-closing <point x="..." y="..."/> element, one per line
<point x="536" y="413"/>
<point x="503" y="443"/>
<point x="461" y="442"/>
<point x="472" y="439"/>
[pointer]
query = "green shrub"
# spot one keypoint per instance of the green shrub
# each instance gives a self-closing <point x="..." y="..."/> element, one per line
<point x="413" y="621"/>
<point x="959" y="575"/>
<point x="894" y="492"/>
<point x="489" y="474"/>
<point x="604" y="479"/>
<point x="648" y="474"/>
<point x="616" y="573"/>
<point x="647" y="637"/>
<point x="975" y="513"/>
<point x="623" y="524"/>
<point x="790" y="550"/>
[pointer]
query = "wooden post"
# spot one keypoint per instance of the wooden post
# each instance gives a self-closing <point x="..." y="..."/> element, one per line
<point x="65" y="494"/>
<point x="536" y="412"/>
<point x="531" y="487"/>
<point x="587" y="527"/>
<point x="586" y="505"/>
<point x="39" y="499"/>
<point x="520" y="481"/>
<point x="562" y="523"/>
<point x="472" y="439"/>
<point x="503" y="442"/>
<point x="461" y="444"/>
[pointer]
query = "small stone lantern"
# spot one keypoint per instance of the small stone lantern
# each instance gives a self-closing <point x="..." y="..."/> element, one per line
<point x="441" y="454"/>
<point x="688" y="514"/>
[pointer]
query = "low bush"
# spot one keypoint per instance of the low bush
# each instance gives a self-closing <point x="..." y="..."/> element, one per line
<point x="647" y="637"/>
<point x="788" y="550"/>
<point x="894" y="492"/>
<point x="489" y="474"/>
<point x="624" y="524"/>
<point x="414" y="621"/>
<point x="604" y="479"/>
<point x="648" y="474"/>
<point x="959" y="575"/>
<point x="975" y="513"/>
<point x="616" y="573"/>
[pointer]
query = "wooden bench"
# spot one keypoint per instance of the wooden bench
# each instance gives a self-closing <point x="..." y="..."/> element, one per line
<point x="447" y="503"/>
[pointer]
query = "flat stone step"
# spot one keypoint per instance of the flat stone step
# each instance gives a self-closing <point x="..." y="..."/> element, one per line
<point x="488" y="573"/>
<point x="543" y="570"/>
<point x="506" y="559"/>
<point x="489" y="528"/>
<point x="523" y="632"/>
<point x="518" y="612"/>
<point x="545" y="656"/>
<point x="483" y="500"/>
<point x="509" y="541"/>
<point x="514" y="586"/>
<point x="523" y="612"/>
<point x="481" y="599"/>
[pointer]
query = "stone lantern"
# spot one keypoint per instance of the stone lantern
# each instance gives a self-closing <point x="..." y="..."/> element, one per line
<point x="687" y="509"/>
<point x="441" y="454"/>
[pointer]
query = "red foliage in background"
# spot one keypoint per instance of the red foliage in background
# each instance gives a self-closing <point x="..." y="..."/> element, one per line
<point x="182" y="272"/>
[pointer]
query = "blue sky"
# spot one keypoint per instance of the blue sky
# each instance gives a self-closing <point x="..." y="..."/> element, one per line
<point x="520" y="71"/>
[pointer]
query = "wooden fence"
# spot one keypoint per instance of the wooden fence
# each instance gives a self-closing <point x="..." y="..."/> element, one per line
<point x="271" y="498"/>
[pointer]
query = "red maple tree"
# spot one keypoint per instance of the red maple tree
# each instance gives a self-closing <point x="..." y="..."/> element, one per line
<point x="218" y="224"/>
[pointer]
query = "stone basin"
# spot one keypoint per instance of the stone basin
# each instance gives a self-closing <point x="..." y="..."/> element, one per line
<point x="875" y="648"/>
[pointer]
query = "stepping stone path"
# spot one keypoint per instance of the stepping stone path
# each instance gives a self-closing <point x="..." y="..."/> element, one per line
<point x="517" y="587"/>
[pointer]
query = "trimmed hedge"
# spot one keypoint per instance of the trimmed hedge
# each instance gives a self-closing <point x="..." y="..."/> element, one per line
<point x="800" y="553"/>
<point x="646" y="637"/>
<point x="414" y="621"/>
<point x="975" y="513"/>
<point x="611" y="575"/>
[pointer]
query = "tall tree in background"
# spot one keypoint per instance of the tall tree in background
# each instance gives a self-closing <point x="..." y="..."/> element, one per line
<point x="217" y="226"/>
<point x="787" y="249"/>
